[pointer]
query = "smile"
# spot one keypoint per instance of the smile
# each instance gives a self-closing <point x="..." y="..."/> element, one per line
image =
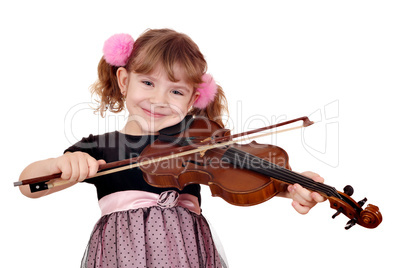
<point x="155" y="115"/>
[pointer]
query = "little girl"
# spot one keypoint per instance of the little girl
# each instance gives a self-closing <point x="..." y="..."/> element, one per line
<point x="159" y="78"/>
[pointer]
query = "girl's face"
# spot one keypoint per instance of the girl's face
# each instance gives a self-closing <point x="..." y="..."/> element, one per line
<point x="153" y="101"/>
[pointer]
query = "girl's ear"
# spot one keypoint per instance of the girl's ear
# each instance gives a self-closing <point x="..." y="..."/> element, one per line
<point x="122" y="79"/>
<point x="193" y="99"/>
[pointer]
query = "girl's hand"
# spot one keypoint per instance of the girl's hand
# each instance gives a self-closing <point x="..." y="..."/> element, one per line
<point x="303" y="199"/>
<point x="76" y="167"/>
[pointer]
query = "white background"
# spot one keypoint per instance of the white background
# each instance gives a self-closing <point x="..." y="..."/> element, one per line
<point x="336" y="61"/>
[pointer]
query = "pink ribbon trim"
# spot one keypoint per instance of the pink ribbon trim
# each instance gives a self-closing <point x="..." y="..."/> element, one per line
<point x="133" y="199"/>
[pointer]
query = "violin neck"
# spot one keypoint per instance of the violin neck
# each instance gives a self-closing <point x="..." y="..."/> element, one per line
<point x="244" y="160"/>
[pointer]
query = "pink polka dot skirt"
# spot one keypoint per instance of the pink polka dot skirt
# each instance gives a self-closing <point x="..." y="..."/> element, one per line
<point x="152" y="237"/>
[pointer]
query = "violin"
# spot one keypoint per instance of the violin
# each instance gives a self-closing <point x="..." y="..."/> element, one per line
<point x="200" y="151"/>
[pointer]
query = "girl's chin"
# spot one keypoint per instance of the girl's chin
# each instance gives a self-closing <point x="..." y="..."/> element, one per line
<point x="154" y="126"/>
<point x="144" y="125"/>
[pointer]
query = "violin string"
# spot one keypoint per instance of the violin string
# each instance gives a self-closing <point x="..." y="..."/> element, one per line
<point x="288" y="176"/>
<point x="277" y="171"/>
<point x="272" y="170"/>
<point x="293" y="177"/>
<point x="281" y="173"/>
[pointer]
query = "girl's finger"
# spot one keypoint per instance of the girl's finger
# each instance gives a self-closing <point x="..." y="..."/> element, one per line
<point x="66" y="171"/>
<point x="300" y="208"/>
<point x="75" y="169"/>
<point x="304" y="199"/>
<point x="314" y="176"/>
<point x="83" y="167"/>
<point x="301" y="195"/>
<point x="317" y="197"/>
<point x="94" y="166"/>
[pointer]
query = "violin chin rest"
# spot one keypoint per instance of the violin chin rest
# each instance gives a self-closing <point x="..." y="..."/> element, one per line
<point x="179" y="127"/>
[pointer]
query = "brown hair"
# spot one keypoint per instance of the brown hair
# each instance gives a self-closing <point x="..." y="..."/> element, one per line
<point x="169" y="48"/>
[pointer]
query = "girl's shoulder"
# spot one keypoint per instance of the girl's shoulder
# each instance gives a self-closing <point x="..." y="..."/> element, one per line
<point x="93" y="144"/>
<point x="112" y="146"/>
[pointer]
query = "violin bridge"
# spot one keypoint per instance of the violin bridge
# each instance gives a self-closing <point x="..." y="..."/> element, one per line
<point x="202" y="153"/>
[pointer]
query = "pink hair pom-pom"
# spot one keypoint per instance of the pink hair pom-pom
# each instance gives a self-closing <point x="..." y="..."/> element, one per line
<point x="207" y="91"/>
<point x="117" y="49"/>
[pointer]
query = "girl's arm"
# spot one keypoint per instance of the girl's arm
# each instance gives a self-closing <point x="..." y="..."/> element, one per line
<point x="75" y="167"/>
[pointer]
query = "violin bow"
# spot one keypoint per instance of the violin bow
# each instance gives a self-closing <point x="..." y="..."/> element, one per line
<point x="134" y="162"/>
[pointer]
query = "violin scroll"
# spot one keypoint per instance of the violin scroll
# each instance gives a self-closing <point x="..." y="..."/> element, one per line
<point x="370" y="217"/>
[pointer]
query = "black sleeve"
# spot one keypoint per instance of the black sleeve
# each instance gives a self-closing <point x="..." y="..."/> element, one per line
<point x="89" y="145"/>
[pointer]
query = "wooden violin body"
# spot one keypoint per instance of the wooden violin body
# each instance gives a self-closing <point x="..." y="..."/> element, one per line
<point x="242" y="174"/>
<point x="244" y="188"/>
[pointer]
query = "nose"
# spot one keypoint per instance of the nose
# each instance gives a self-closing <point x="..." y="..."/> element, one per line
<point x="158" y="98"/>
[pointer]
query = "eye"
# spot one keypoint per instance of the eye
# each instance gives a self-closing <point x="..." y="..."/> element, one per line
<point x="147" y="83"/>
<point x="177" y="92"/>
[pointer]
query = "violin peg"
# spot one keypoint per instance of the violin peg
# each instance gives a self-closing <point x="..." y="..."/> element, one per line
<point x="339" y="211"/>
<point x="362" y="202"/>
<point x="350" y="223"/>
<point x="348" y="190"/>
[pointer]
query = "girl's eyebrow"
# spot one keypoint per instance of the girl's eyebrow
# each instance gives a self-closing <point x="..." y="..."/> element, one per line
<point x="182" y="86"/>
<point x="147" y="76"/>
